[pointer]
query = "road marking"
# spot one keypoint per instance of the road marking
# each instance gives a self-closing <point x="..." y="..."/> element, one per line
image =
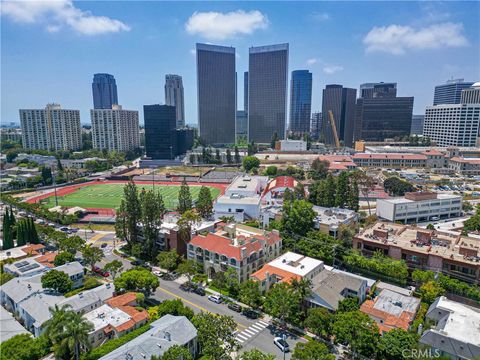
<point x="262" y="322"/>
<point x="242" y="336"/>
<point x="249" y="331"/>
<point x="259" y="328"/>
<point x="97" y="237"/>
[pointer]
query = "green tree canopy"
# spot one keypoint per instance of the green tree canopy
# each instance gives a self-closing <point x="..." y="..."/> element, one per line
<point x="114" y="267"/>
<point x="188" y="268"/>
<point x="250" y="163"/>
<point x="392" y="344"/>
<point x="176" y="352"/>
<point x="91" y="254"/>
<point x="184" y="198"/>
<point x="250" y="294"/>
<point x="319" y="321"/>
<point x="255" y="354"/>
<point x="298" y="216"/>
<point x="57" y="280"/>
<point x="282" y="302"/>
<point x="137" y="279"/>
<point x="312" y="350"/>
<point x="204" y="204"/>
<point x="168" y="260"/>
<point x="24" y="347"/>
<point x="63" y="258"/>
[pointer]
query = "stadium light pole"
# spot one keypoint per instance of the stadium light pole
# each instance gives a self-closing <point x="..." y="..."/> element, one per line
<point x="54" y="184"/>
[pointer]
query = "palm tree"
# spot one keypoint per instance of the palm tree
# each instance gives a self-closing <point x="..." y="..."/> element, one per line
<point x="68" y="332"/>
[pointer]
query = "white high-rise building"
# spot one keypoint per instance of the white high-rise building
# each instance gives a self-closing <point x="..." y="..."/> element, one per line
<point x="174" y="97"/>
<point x="452" y="125"/>
<point x="471" y="95"/>
<point x="52" y="128"/>
<point x="115" y="129"/>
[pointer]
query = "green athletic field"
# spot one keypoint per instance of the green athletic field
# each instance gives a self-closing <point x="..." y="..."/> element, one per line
<point x="108" y="196"/>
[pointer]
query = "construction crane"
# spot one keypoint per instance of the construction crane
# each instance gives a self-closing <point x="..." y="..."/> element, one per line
<point x="334" y="128"/>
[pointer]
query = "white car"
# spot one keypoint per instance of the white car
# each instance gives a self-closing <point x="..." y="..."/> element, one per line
<point x="157" y="273"/>
<point x="282" y="344"/>
<point x="215" y="298"/>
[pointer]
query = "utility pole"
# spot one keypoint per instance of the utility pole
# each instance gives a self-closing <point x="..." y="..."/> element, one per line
<point x="54" y="185"/>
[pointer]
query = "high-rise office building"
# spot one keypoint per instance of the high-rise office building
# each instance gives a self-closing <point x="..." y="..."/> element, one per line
<point x="104" y="89"/>
<point x="450" y="92"/>
<point x="452" y="124"/>
<point x="245" y="92"/>
<point x="242" y="124"/>
<point x="300" y="101"/>
<point x="417" y="125"/>
<point x="378" y="90"/>
<point x="52" y="128"/>
<point x="174" y="97"/>
<point x="115" y="129"/>
<point x="471" y="95"/>
<point x="377" y="119"/>
<point x="160" y="137"/>
<point x="267" y="92"/>
<point x="341" y="101"/>
<point x="316" y="125"/>
<point x="216" y="92"/>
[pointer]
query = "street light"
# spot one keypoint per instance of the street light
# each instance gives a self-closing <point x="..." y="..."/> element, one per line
<point x="284" y="338"/>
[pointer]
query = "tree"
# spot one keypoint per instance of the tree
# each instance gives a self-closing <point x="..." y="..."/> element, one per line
<point x="330" y="191"/>
<point x="352" y="197"/>
<point x="255" y="354"/>
<point x="393" y="344"/>
<point x="274" y="140"/>
<point x="68" y="331"/>
<point x="319" y="321"/>
<point x="24" y="347"/>
<point x="312" y="350"/>
<point x="204" y="204"/>
<point x="168" y="260"/>
<point x="7" y="228"/>
<point x="176" y="352"/>
<point x="365" y="184"/>
<point x="218" y="159"/>
<point x="298" y="216"/>
<point x="184" y="198"/>
<point x="152" y="212"/>
<point x="341" y="197"/>
<point x="303" y="289"/>
<point x="185" y="223"/>
<point x="188" y="268"/>
<point x="231" y="281"/>
<point x="271" y="170"/>
<point x="63" y="258"/>
<point x="91" y="255"/>
<point x="128" y="215"/>
<point x="250" y="294"/>
<point x="358" y="330"/>
<point x="71" y="244"/>
<point x="229" y="156"/>
<point x="430" y="291"/>
<point x="5" y="277"/>
<point x="57" y="280"/>
<point x="350" y="303"/>
<point x="250" y="163"/>
<point x="114" y="267"/>
<point x="397" y="187"/>
<point x="173" y="307"/>
<point x="216" y="335"/>
<point x="138" y="280"/>
<point x="236" y="155"/>
<point x="283" y="303"/>
<point x="318" y="169"/>
<point x="299" y="191"/>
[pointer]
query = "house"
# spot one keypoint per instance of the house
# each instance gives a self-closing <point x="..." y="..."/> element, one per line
<point x="21" y="252"/>
<point x="88" y="300"/>
<point x="10" y="326"/>
<point x="328" y="220"/>
<point x="164" y="333"/>
<point x="32" y="265"/>
<point x="456" y="332"/>
<point x="391" y="310"/>
<point x="285" y="268"/>
<point x="235" y="246"/>
<point x="273" y="194"/>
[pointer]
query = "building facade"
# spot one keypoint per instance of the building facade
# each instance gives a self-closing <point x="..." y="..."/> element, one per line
<point x="104" y="90"/>
<point x="52" y="128"/>
<point x="267" y="92"/>
<point x="452" y="125"/>
<point x="417" y="124"/>
<point x="300" y="101"/>
<point x="471" y="95"/>
<point x="115" y="129"/>
<point x="341" y="101"/>
<point x="450" y="92"/>
<point x="174" y="97"/>
<point x="378" y="90"/>
<point x="245" y="91"/>
<point x="242" y="124"/>
<point x="316" y="125"/>
<point x="160" y="139"/>
<point x="216" y="92"/>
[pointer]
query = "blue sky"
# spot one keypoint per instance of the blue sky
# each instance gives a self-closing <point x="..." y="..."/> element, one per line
<point x="50" y="50"/>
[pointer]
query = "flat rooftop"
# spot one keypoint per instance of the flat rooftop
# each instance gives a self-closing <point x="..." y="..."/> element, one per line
<point x="333" y="216"/>
<point x="395" y="304"/>
<point x="106" y="315"/>
<point x="295" y="263"/>
<point x="440" y="196"/>
<point x="246" y="183"/>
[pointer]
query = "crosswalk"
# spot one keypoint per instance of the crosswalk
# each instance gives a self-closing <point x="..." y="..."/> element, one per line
<point x="252" y="330"/>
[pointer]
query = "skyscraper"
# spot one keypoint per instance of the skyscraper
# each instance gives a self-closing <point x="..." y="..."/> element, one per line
<point x="267" y="92"/>
<point x="471" y="95"/>
<point x="378" y="90"/>
<point x="316" y="125"/>
<point x="52" y="128"/>
<point x="115" y="129"/>
<point x="216" y="92"/>
<point x="417" y="124"/>
<point x="341" y="101"/>
<point x="300" y="101"/>
<point x="160" y="136"/>
<point x="174" y="97"/>
<point x="245" y="91"/>
<point x="104" y="89"/>
<point x="242" y="124"/>
<point x="450" y="92"/>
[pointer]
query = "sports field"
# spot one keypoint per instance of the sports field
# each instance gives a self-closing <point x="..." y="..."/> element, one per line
<point x="108" y="196"/>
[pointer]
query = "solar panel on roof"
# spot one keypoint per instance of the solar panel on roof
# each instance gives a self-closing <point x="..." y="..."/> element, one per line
<point x="29" y="267"/>
<point x="21" y="264"/>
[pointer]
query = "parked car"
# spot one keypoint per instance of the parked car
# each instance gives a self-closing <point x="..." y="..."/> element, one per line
<point x="235" y="307"/>
<point x="250" y="313"/>
<point x="104" y="245"/>
<point x="158" y="273"/>
<point x="170" y="276"/>
<point x="64" y="229"/>
<point x="137" y="262"/>
<point x="187" y="286"/>
<point x="199" y="291"/>
<point x="282" y="344"/>
<point x="215" y="298"/>
<point x="100" y="272"/>
<point x="74" y="230"/>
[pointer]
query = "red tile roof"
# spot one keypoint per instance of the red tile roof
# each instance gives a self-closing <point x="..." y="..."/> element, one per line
<point x="47" y="259"/>
<point x="33" y="249"/>
<point x="122" y="300"/>
<point x="281" y="181"/>
<point x="390" y="156"/>
<point x="432" y="152"/>
<point x="474" y="161"/>
<point x="282" y="275"/>
<point x="390" y="321"/>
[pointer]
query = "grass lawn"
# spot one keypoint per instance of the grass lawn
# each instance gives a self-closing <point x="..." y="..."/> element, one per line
<point x="109" y="196"/>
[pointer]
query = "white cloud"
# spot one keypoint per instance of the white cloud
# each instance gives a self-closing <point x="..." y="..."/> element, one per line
<point x="193" y="52"/>
<point x="312" y="61"/>
<point x="59" y="13"/>
<point x="397" y="39"/>
<point x="332" y="69"/>
<point x="321" y="16"/>
<point x="221" y="26"/>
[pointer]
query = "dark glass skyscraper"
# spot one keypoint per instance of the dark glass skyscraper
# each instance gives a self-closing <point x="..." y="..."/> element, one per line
<point x="245" y="91"/>
<point x="160" y="135"/>
<point x="216" y="91"/>
<point x="378" y="90"/>
<point x="267" y="92"/>
<point x="104" y="89"/>
<point x="450" y="92"/>
<point x="341" y="101"/>
<point x="300" y="101"/>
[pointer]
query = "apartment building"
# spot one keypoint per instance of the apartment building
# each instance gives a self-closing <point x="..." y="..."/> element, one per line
<point x="453" y="255"/>
<point x="115" y="129"/>
<point x="422" y="206"/>
<point x="235" y="246"/>
<point x="465" y="166"/>
<point x="52" y="128"/>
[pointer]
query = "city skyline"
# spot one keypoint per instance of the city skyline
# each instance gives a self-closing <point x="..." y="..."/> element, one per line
<point x="383" y="46"/>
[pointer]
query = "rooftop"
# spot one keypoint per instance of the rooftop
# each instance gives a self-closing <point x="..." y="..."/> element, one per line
<point x="296" y="264"/>
<point x="106" y="315"/>
<point x="9" y="326"/>
<point x="281" y="182"/>
<point x="390" y="156"/>
<point x="333" y="216"/>
<point x="246" y="183"/>
<point x="419" y="198"/>
<point x="90" y="297"/>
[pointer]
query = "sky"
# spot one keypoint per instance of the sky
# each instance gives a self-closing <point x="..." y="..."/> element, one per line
<point x="51" y="49"/>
